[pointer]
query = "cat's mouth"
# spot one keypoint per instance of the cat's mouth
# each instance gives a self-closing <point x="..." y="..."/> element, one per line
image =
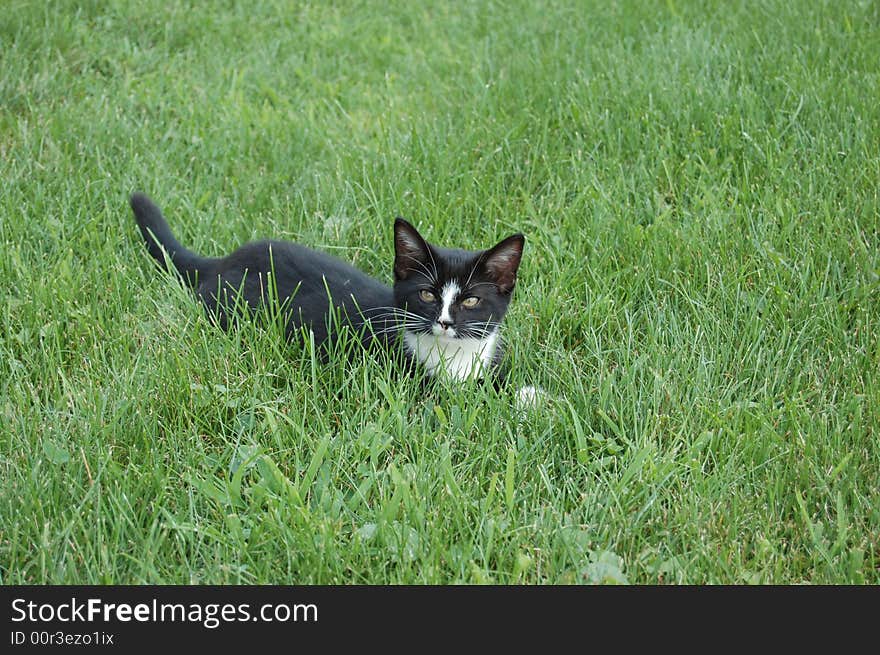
<point x="441" y="332"/>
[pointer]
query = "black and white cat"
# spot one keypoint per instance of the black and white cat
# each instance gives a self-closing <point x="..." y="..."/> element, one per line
<point x="444" y="311"/>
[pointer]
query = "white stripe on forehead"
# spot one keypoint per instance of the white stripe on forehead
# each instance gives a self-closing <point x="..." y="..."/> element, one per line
<point x="448" y="294"/>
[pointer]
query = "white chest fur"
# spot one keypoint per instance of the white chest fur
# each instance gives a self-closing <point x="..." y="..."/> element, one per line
<point x="460" y="358"/>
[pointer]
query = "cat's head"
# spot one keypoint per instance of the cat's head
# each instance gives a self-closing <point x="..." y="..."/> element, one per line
<point x="451" y="293"/>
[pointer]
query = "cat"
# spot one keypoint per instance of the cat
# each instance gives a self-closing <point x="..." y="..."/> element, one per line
<point x="443" y="313"/>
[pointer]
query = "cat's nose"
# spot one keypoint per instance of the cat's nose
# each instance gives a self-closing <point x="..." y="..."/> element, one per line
<point x="445" y="324"/>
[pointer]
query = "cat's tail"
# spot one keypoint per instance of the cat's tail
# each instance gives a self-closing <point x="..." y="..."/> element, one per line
<point x="161" y="242"/>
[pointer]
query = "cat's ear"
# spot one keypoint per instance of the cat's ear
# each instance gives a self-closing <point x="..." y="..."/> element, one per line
<point x="502" y="262"/>
<point x="410" y="250"/>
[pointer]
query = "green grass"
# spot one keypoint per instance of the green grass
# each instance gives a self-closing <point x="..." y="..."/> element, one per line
<point x="698" y="184"/>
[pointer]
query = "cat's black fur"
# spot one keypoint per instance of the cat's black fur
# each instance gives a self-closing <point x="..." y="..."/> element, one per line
<point x="305" y="283"/>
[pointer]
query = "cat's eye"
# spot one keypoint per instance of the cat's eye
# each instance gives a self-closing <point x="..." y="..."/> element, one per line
<point x="470" y="302"/>
<point x="427" y="296"/>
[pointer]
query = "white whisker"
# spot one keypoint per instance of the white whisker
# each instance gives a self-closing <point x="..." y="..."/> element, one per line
<point x="434" y="264"/>
<point x="473" y="269"/>
<point x="431" y="276"/>
<point x="484" y="284"/>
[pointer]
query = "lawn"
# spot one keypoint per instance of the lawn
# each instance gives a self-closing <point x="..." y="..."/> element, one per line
<point x="699" y="186"/>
